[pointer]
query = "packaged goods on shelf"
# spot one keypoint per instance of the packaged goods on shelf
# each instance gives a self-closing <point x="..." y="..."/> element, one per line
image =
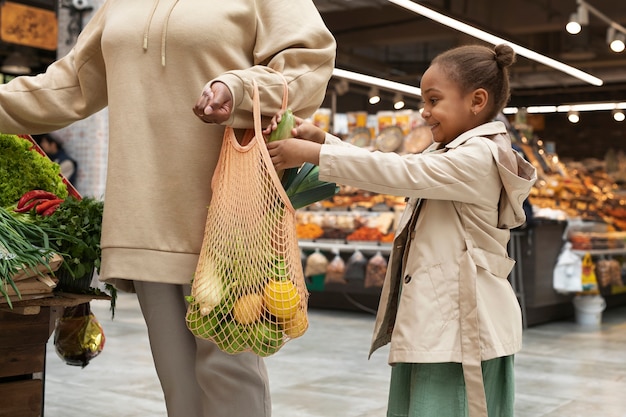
<point x="355" y="267"/>
<point x="375" y="271"/>
<point x="336" y="270"/>
<point x="609" y="273"/>
<point x="316" y="264"/>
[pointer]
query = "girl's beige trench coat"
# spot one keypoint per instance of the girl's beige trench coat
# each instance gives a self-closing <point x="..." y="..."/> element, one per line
<point x="446" y="297"/>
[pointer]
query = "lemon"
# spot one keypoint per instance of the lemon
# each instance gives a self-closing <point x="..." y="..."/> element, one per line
<point x="281" y="299"/>
<point x="297" y="325"/>
<point x="248" y="308"/>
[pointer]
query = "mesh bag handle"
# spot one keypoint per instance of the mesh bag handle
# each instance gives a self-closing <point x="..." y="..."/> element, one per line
<point x="248" y="291"/>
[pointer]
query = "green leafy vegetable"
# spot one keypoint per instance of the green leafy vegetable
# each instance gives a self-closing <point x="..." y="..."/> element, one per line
<point x="74" y="231"/>
<point x="81" y="222"/>
<point x="24" y="169"/>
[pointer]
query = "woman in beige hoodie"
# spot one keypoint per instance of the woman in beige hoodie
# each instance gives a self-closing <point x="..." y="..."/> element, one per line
<point x="150" y="62"/>
<point x="446" y="306"/>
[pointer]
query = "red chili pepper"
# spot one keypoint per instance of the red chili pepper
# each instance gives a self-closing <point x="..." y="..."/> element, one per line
<point x="35" y="194"/>
<point x="51" y="209"/>
<point x="41" y="207"/>
<point x="30" y="205"/>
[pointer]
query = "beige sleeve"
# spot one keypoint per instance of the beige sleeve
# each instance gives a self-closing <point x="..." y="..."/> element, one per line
<point x="71" y="89"/>
<point x="292" y="40"/>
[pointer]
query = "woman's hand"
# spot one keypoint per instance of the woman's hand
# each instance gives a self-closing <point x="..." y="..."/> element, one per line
<point x="215" y="103"/>
<point x="291" y="153"/>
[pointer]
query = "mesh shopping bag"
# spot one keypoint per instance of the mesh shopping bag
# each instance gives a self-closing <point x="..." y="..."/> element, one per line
<point x="248" y="291"/>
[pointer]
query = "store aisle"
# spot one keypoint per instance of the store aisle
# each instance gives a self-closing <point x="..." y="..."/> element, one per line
<point x="563" y="371"/>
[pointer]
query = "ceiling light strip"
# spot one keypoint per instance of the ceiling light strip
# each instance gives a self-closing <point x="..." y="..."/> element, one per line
<point x="495" y="40"/>
<point x="564" y="108"/>
<point x="378" y="82"/>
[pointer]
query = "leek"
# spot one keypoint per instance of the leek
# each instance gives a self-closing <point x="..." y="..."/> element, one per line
<point x="305" y="188"/>
<point x="302" y="184"/>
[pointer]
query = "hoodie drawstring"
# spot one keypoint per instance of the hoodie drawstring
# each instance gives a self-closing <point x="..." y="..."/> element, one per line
<point x="147" y="26"/>
<point x="164" y="33"/>
<point x="146" y="30"/>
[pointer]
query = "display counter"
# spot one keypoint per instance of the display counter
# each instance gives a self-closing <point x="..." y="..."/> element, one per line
<point x="540" y="248"/>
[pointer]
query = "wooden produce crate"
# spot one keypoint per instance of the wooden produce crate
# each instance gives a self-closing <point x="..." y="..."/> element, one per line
<point x="33" y="283"/>
<point x="25" y="328"/>
<point x="23" y="339"/>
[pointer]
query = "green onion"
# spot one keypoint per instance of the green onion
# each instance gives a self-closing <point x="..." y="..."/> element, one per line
<point x="17" y="252"/>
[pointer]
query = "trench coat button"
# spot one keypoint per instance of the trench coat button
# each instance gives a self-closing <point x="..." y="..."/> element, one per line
<point x="407" y="279"/>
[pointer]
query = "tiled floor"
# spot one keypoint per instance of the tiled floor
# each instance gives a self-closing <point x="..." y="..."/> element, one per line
<point x="564" y="370"/>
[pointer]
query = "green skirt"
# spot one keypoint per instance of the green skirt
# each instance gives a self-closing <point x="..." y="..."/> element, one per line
<point x="438" y="389"/>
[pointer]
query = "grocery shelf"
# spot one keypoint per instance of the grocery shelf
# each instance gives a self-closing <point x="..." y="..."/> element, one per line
<point x="344" y="246"/>
<point x="600" y="252"/>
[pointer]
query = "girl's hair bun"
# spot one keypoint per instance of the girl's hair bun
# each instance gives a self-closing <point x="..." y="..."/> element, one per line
<point x="505" y="55"/>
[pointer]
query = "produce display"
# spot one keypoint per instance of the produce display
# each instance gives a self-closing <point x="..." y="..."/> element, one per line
<point x="23" y="169"/>
<point x="47" y="230"/>
<point x="585" y="190"/>
<point x="348" y="226"/>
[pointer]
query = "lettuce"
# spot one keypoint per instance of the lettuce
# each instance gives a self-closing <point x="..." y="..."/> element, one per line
<point x="22" y="169"/>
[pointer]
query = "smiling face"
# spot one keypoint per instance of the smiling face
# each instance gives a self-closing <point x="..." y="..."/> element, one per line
<point x="447" y="110"/>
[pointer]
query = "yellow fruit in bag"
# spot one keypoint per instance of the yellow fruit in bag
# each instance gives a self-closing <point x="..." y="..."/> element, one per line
<point x="248" y="308"/>
<point x="281" y="299"/>
<point x="297" y="325"/>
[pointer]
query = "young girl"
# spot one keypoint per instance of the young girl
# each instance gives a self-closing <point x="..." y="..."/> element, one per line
<point x="446" y="307"/>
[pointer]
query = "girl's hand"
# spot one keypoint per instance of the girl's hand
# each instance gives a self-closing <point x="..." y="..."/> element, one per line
<point x="274" y="123"/>
<point x="291" y="153"/>
<point x="215" y="103"/>
<point x="303" y="130"/>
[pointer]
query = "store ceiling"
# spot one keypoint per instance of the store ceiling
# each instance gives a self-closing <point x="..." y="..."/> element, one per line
<point x="378" y="38"/>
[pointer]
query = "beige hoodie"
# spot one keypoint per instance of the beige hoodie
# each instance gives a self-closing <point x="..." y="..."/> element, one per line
<point x="148" y="60"/>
